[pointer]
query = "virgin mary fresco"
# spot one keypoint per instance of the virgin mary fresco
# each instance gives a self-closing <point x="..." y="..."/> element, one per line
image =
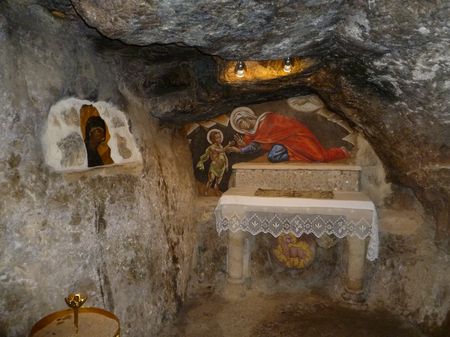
<point x="281" y="137"/>
<point x="96" y="136"/>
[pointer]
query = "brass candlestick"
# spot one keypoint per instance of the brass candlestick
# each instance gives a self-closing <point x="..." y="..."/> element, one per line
<point x="75" y="301"/>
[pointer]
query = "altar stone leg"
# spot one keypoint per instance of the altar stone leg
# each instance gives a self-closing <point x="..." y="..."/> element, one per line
<point x="237" y="266"/>
<point x="236" y="257"/>
<point x="355" y="267"/>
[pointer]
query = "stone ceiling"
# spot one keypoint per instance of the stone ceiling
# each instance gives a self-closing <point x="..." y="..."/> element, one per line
<point x="231" y="29"/>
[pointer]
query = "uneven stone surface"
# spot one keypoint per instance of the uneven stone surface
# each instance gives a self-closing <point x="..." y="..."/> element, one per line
<point x="227" y="28"/>
<point x="126" y="238"/>
<point x="384" y="67"/>
<point x="319" y="179"/>
<point x="285" y="315"/>
<point x="411" y="273"/>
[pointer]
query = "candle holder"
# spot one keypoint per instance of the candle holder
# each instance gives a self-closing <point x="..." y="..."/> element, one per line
<point x="86" y="322"/>
<point x="75" y="301"/>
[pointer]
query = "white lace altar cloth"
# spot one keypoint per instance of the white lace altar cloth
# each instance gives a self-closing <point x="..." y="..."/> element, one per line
<point x="347" y="214"/>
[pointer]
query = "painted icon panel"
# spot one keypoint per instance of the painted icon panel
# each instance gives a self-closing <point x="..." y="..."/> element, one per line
<point x="96" y="136"/>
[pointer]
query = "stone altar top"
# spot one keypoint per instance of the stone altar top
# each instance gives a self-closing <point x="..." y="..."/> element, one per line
<point x="292" y="165"/>
<point x="298" y="176"/>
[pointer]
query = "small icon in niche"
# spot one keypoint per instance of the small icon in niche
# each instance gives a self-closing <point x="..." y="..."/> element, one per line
<point x="96" y="136"/>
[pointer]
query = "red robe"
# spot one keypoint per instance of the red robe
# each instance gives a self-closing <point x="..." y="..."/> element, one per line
<point x="300" y="142"/>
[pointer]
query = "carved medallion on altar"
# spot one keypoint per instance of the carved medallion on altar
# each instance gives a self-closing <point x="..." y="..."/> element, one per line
<point x="293" y="252"/>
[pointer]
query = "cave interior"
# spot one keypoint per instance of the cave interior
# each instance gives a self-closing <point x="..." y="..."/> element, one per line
<point x="133" y="225"/>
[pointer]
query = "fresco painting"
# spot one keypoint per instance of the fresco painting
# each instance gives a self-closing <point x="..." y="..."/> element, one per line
<point x="283" y="138"/>
<point x="216" y="154"/>
<point x="299" y="129"/>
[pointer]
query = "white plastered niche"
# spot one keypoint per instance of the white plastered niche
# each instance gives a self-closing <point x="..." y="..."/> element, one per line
<point x="63" y="143"/>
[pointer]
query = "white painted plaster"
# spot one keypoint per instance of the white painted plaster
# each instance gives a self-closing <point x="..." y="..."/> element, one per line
<point x="59" y="127"/>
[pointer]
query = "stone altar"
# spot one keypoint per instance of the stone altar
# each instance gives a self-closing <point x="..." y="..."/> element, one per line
<point x="349" y="214"/>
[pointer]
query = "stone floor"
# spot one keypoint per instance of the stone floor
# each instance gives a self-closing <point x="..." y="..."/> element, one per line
<point x="284" y="315"/>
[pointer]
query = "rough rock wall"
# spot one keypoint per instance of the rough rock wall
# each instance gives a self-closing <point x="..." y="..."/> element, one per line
<point x="125" y="238"/>
<point x="227" y="28"/>
<point x="412" y="142"/>
<point x="412" y="276"/>
<point x="397" y="98"/>
<point x="389" y="62"/>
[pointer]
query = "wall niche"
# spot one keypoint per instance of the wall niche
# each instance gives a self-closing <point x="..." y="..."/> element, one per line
<point x="81" y="135"/>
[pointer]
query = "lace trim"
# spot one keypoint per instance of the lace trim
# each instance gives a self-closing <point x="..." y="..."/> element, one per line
<point x="299" y="224"/>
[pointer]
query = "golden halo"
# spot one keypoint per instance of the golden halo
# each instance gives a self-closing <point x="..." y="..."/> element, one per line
<point x="208" y="135"/>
